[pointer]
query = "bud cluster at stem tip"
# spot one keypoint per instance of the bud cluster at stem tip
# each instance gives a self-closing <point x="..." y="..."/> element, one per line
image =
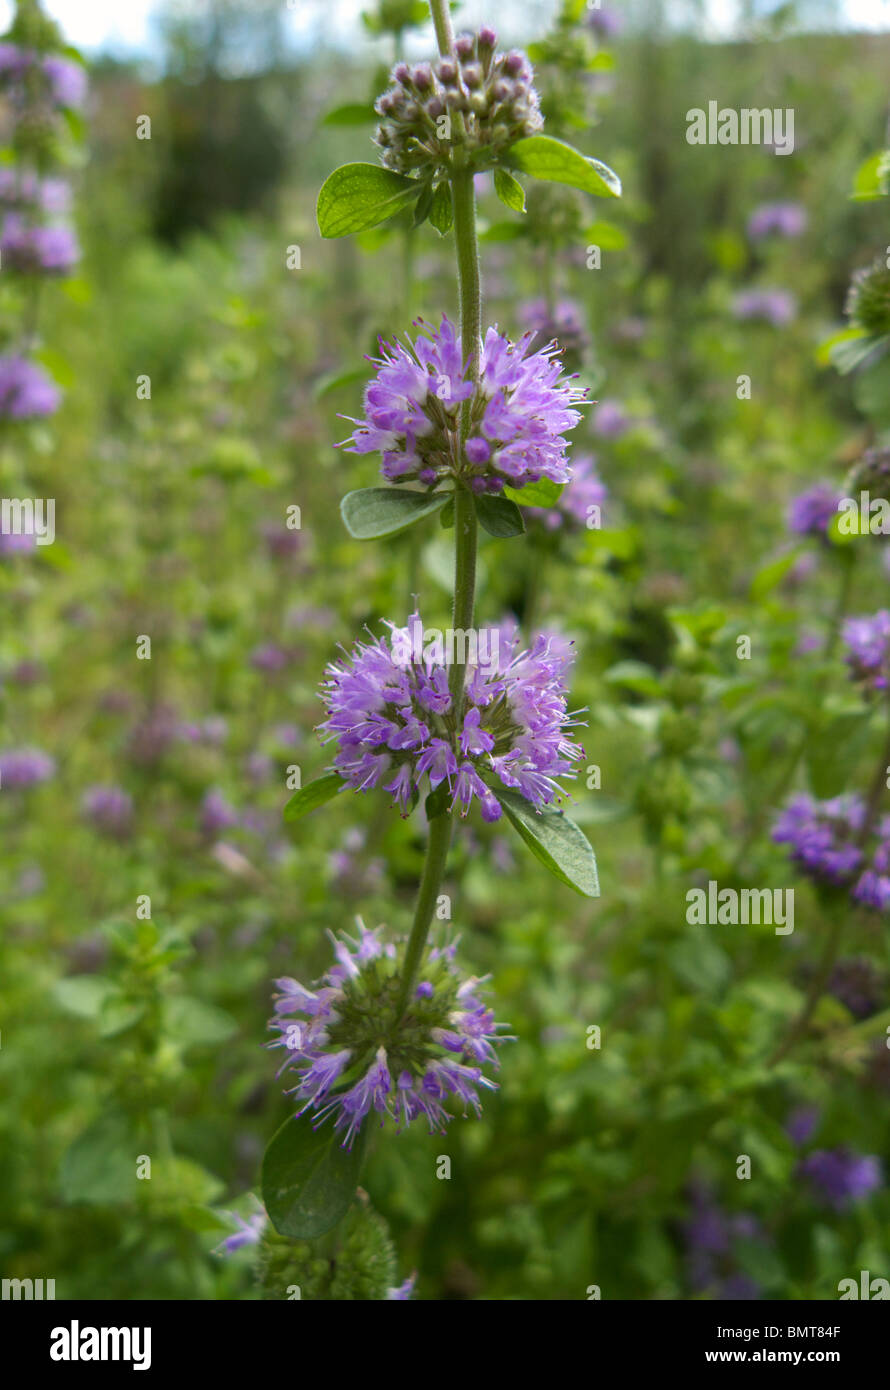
<point x="487" y="96"/>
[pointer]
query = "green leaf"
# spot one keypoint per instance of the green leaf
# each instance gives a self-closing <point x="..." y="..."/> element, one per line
<point x="446" y="517"/>
<point x="423" y="206"/>
<point x="502" y="231"/>
<point x="336" y="381"/>
<point x="606" y="236"/>
<point x="313" y="795"/>
<point x="442" y="210"/>
<point x="351" y="113"/>
<point x="437" y="802"/>
<point x="556" y="162"/>
<point x="509" y="190"/>
<point x="766" y="579"/>
<point x="308" y="1179"/>
<point x="871" y="178"/>
<point x="99" y="1167"/>
<point x="499" y="516"/>
<point x="357" y="196"/>
<point x="555" y="840"/>
<point x="84" y="995"/>
<point x="543" y="493"/>
<point x="192" y="1022"/>
<point x="384" y="511"/>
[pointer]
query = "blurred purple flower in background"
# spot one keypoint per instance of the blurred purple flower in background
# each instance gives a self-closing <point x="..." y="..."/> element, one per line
<point x="565" y="323"/>
<point x="780" y="219"/>
<point x="217" y="814"/>
<point x="777" y="307"/>
<point x="801" y="1124"/>
<point x="109" y="809"/>
<point x="37" y="250"/>
<point x="585" y="491"/>
<point x="839" y="1176"/>
<point x="19" y="188"/>
<point x="67" y="81"/>
<point x="857" y="984"/>
<point x="810" y="512"/>
<point x="610" y="420"/>
<point x="712" y="1236"/>
<point x="867" y="642"/>
<point x="26" y="391"/>
<point x="607" y="23"/>
<point x="25" y="767"/>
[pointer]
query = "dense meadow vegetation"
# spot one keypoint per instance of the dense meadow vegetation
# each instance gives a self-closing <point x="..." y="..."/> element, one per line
<point x="689" y="1109"/>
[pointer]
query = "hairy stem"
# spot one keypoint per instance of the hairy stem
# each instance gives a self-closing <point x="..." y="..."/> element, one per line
<point x="463" y="199"/>
<point x="433" y="870"/>
<point x="441" y="13"/>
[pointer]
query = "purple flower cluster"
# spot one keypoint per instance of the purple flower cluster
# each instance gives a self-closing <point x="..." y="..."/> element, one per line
<point x="777" y="219"/>
<point x="858" y="985"/>
<point x="711" y="1235"/>
<point x="490" y="93"/>
<point x="356" y="1052"/>
<point x="21" y="189"/>
<point x="826" y="841"/>
<point x="565" y="323"/>
<point x="605" y="22"/>
<point x="33" y="249"/>
<point x="581" y="500"/>
<point x="840" y="1177"/>
<point x="867" y="643"/>
<point x="109" y="810"/>
<point x="64" y="83"/>
<point x="518" y="413"/>
<point x="25" y="767"/>
<point x="611" y="420"/>
<point x="392" y="716"/>
<point x="776" y="307"/>
<point x="26" y="391"/>
<point x="811" y="511"/>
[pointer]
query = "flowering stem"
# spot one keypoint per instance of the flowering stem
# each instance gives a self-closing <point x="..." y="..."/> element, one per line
<point x="816" y="989"/>
<point x="441" y="13"/>
<point x="463" y="198"/>
<point x="433" y="869"/>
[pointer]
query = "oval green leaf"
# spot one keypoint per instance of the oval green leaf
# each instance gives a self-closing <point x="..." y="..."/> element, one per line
<point x="499" y="516"/>
<point x="555" y="840"/>
<point x="308" y="1179"/>
<point x="358" y="196"/>
<point x="351" y="113"/>
<point x="371" y="512"/>
<point x="313" y="795"/>
<point x="509" y="190"/>
<point x="556" y="162"/>
<point x="543" y="493"/>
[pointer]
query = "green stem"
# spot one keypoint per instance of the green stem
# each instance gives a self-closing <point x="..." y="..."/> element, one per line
<point x="441" y="13"/>
<point x="463" y="197"/>
<point x="465" y="526"/>
<point x="816" y="989"/>
<point x="433" y="870"/>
